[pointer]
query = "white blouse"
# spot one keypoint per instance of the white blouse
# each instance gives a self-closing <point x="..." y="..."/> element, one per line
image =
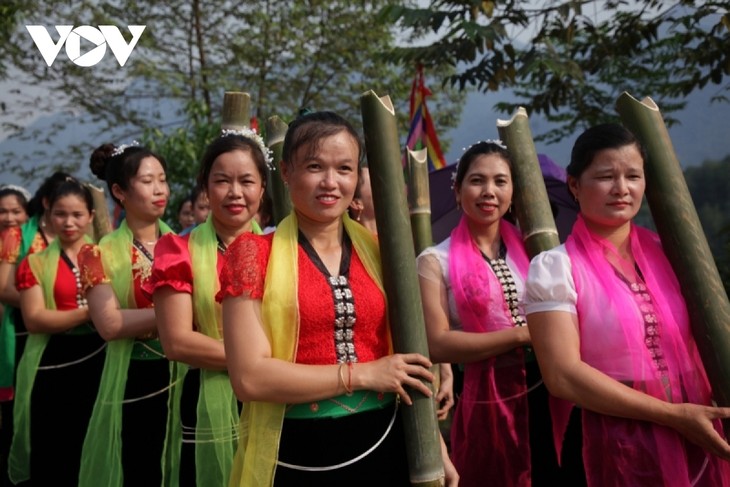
<point x="433" y="264"/>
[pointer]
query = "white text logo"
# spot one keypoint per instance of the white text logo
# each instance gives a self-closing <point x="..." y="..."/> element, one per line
<point x="71" y="37"/>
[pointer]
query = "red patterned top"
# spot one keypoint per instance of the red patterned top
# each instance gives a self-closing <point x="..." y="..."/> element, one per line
<point x="64" y="289"/>
<point x="92" y="272"/>
<point x="245" y="274"/>
<point x="10" y="240"/>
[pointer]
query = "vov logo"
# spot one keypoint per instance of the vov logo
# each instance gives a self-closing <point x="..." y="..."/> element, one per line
<point x="71" y="37"/>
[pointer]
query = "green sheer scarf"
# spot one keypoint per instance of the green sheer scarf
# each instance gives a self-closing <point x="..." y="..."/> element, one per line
<point x="44" y="266"/>
<point x="101" y="455"/>
<point x="7" y="327"/>
<point x="261" y="422"/>
<point x="217" y="410"/>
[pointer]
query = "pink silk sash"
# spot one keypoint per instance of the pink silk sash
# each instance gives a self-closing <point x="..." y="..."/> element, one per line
<point x="614" y="333"/>
<point x="489" y="433"/>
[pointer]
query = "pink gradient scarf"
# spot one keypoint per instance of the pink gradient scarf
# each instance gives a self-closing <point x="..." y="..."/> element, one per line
<point x="489" y="433"/>
<point x="613" y="335"/>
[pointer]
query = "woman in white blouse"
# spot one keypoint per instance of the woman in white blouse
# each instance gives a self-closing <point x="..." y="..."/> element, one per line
<point x="471" y="286"/>
<point x="611" y="333"/>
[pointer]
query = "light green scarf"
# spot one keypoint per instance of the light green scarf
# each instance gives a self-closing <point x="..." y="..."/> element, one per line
<point x="7" y="326"/>
<point x="44" y="266"/>
<point x="101" y="456"/>
<point x="217" y="411"/>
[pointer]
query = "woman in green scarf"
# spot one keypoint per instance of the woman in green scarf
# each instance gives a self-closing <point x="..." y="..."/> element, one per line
<point x="58" y="374"/>
<point x="202" y="433"/>
<point x="15" y="243"/>
<point x="125" y="438"/>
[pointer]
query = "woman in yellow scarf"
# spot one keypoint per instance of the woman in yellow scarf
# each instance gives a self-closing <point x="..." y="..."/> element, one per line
<point x="306" y="334"/>
<point x="126" y="433"/>
<point x="202" y="434"/>
<point x="58" y="374"/>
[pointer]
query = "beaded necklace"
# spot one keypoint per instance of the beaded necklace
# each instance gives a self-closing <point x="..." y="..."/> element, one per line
<point x="80" y="298"/>
<point x="509" y="288"/>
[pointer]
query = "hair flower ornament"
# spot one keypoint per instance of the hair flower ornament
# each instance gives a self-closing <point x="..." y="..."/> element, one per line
<point x="253" y="136"/>
<point x="118" y="150"/>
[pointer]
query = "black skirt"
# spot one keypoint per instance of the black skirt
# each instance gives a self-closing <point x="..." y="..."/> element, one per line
<point x="61" y="404"/>
<point x="332" y="441"/>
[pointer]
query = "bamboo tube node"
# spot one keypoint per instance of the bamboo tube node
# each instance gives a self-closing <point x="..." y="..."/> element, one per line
<point x="281" y="203"/>
<point x="531" y="203"/>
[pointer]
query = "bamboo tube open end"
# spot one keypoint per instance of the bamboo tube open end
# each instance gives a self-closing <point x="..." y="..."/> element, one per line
<point x="519" y="113"/>
<point x="384" y="100"/>
<point x="419" y="156"/>
<point x="626" y="99"/>
<point x="275" y="130"/>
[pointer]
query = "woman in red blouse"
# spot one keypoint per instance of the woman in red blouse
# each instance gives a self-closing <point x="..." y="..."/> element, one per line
<point x="15" y="243"/>
<point x="59" y="371"/>
<point x="184" y="281"/>
<point x="306" y="335"/>
<point x="126" y="433"/>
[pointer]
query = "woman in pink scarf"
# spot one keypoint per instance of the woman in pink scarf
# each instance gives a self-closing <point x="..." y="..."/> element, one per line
<point x="471" y="285"/>
<point x="611" y="332"/>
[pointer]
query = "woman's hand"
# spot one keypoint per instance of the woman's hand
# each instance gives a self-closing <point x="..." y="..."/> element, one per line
<point x="452" y="476"/>
<point x="695" y="423"/>
<point x="445" y="394"/>
<point x="393" y="374"/>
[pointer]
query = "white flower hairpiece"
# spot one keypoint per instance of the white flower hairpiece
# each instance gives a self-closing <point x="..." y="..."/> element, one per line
<point x="121" y="148"/>
<point x="496" y="142"/>
<point x="19" y="189"/>
<point x="252" y="135"/>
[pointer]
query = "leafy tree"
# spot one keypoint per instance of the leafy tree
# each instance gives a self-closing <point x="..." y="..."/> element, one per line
<point x="285" y="54"/>
<point x="569" y="60"/>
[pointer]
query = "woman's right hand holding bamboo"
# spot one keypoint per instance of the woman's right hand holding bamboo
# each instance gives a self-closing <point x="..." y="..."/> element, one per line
<point x="695" y="422"/>
<point x="393" y="373"/>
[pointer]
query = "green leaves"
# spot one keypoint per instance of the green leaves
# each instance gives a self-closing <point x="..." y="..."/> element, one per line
<point x="569" y="60"/>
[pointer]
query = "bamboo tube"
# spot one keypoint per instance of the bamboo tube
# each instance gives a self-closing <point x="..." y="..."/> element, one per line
<point x="419" y="199"/>
<point x="236" y="110"/>
<point x="102" y="223"/>
<point x="530" y="199"/>
<point x="684" y="241"/>
<point x="275" y="132"/>
<point x="401" y="280"/>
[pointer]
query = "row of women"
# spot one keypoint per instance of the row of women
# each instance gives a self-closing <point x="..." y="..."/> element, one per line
<point x="226" y="357"/>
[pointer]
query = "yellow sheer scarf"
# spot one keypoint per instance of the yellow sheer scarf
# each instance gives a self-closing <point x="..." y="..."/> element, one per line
<point x="101" y="455"/>
<point x="260" y="427"/>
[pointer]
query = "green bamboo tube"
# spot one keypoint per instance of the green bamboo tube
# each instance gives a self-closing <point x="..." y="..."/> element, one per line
<point x="236" y="110"/>
<point x="401" y="280"/>
<point x="275" y="132"/>
<point x="530" y="199"/>
<point x="419" y="199"/>
<point x="684" y="241"/>
<point x="102" y="223"/>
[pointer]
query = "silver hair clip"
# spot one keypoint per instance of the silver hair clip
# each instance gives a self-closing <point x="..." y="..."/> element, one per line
<point x="118" y="150"/>
<point x="252" y="135"/>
